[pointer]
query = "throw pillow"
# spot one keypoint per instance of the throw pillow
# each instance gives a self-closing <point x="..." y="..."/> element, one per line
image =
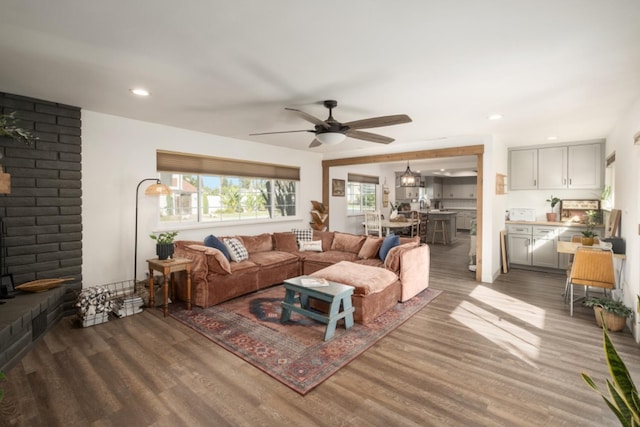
<point x="370" y="248"/>
<point x="303" y="235"/>
<point x="213" y="242"/>
<point x="391" y="241"/>
<point x="285" y="242"/>
<point x="236" y="249"/>
<point x="313" y="246"/>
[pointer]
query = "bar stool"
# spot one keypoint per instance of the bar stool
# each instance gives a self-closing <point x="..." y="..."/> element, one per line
<point x="440" y="226"/>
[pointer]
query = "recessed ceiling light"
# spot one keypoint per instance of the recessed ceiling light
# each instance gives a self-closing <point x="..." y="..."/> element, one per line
<point x="140" y="92"/>
<point x="495" y="117"/>
<point x="552" y="138"/>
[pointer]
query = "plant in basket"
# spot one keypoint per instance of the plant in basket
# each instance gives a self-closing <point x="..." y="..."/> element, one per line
<point x="588" y="235"/>
<point x="615" y="312"/>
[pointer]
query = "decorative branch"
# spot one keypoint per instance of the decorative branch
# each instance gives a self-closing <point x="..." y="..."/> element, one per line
<point x="8" y="127"/>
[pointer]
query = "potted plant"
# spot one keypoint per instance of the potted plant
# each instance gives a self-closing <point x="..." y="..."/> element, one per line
<point x="551" y="216"/>
<point x="588" y="235"/>
<point x="614" y="312"/>
<point x="164" y="245"/>
<point x="623" y="395"/>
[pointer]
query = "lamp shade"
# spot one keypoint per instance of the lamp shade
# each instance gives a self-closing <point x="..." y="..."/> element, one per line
<point x="157" y="189"/>
<point x="331" y="138"/>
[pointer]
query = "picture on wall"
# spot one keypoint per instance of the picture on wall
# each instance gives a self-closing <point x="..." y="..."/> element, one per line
<point x="337" y="186"/>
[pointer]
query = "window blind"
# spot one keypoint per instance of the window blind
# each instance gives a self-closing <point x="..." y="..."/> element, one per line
<point x="169" y="161"/>
<point x="366" y="179"/>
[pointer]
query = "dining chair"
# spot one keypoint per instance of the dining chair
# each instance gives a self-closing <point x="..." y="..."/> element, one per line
<point x="591" y="267"/>
<point x="373" y="223"/>
<point x="576" y="238"/>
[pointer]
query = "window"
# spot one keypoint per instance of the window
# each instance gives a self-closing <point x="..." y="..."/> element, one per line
<point x="216" y="197"/>
<point x="362" y="193"/>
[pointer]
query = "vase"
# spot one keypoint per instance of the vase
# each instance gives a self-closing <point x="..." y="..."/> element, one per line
<point x="587" y="241"/>
<point x="614" y="322"/>
<point x="164" y="250"/>
<point x="551" y="217"/>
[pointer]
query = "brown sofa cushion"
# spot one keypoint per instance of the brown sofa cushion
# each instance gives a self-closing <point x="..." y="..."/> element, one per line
<point x="285" y="242"/>
<point x="260" y="243"/>
<point x="216" y="261"/>
<point x="370" y="247"/>
<point x="326" y="237"/>
<point x="366" y="279"/>
<point x="347" y="242"/>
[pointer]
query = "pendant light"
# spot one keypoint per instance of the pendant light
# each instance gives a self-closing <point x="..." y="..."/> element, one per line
<point x="408" y="179"/>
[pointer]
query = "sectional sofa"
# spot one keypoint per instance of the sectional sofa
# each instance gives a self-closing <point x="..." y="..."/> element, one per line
<point x="274" y="257"/>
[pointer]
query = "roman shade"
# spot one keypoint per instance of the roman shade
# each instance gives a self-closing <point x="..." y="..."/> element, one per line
<point x="169" y="161"/>
<point x="365" y="179"/>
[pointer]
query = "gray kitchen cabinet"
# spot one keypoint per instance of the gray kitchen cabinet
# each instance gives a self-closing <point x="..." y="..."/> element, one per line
<point x="519" y="244"/>
<point x="406" y="193"/>
<point x="523" y="169"/>
<point x="575" y="166"/>
<point x="464" y="219"/>
<point x="459" y="188"/>
<point x="553" y="168"/>
<point x="544" y="249"/>
<point x="537" y="245"/>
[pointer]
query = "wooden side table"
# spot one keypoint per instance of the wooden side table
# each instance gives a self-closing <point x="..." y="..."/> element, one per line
<point x="167" y="268"/>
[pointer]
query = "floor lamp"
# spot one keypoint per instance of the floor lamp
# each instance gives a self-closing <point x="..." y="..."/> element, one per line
<point x="156" y="189"/>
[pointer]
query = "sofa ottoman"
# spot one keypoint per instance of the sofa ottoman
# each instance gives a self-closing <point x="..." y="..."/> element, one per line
<point x="376" y="289"/>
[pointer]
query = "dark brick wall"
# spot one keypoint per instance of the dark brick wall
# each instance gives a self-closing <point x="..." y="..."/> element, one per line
<point x="42" y="214"/>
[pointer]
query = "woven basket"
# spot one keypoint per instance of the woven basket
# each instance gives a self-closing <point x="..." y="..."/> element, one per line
<point x="614" y="322"/>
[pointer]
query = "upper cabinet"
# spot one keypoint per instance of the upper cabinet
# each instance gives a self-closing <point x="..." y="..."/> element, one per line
<point x="576" y="166"/>
<point x="459" y="188"/>
<point x="523" y="169"/>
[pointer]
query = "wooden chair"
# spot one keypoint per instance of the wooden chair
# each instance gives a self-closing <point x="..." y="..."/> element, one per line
<point x="414" y="229"/>
<point x="591" y="267"/>
<point x="373" y="223"/>
<point x="576" y="238"/>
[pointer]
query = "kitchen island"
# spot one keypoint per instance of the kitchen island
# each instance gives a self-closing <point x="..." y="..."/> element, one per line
<point x="451" y="227"/>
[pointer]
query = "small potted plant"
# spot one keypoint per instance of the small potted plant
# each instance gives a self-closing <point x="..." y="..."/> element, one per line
<point x="614" y="312"/>
<point x="588" y="235"/>
<point x="164" y="245"/>
<point x="551" y="216"/>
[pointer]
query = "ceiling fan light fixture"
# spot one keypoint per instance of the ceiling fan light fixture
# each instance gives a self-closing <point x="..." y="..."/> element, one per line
<point x="331" y="138"/>
<point x="408" y="179"/>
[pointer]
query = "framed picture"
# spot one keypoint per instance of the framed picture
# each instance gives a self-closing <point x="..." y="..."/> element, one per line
<point x="337" y="186"/>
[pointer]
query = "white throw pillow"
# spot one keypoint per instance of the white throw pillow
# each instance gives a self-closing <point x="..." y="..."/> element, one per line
<point x="313" y="246"/>
<point x="236" y="249"/>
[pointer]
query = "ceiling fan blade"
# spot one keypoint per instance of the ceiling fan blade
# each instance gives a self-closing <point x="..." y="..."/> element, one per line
<point x="308" y="117"/>
<point x="284" y="131"/>
<point x="375" y="122"/>
<point x="315" y="143"/>
<point x="368" y="136"/>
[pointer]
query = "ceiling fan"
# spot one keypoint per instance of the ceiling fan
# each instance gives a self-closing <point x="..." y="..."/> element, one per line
<point x="333" y="132"/>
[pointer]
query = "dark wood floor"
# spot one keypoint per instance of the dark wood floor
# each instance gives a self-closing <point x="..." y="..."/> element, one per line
<point x="483" y="355"/>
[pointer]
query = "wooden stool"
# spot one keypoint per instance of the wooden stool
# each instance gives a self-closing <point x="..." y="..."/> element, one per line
<point x="442" y="229"/>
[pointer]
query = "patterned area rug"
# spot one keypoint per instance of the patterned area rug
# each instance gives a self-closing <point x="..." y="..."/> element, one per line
<point x="294" y="353"/>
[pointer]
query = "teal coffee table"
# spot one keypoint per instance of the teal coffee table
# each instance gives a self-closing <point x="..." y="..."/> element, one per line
<point x="337" y="295"/>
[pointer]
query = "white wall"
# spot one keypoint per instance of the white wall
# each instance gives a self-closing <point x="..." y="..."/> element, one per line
<point x="117" y="153"/>
<point x="627" y="188"/>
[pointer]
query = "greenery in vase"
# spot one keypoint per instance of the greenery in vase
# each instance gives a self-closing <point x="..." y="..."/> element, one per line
<point x="623" y="399"/>
<point x="593" y="218"/>
<point x="610" y="305"/>
<point x="164" y="238"/>
<point x="8" y="127"/>
<point x="553" y="201"/>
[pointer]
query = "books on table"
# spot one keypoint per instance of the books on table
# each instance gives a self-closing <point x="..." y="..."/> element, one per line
<point x="313" y="282"/>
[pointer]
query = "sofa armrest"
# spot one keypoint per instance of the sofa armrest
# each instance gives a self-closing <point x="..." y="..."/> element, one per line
<point x="415" y="264"/>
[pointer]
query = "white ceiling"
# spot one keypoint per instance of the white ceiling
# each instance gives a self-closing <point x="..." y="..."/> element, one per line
<point x="567" y="68"/>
